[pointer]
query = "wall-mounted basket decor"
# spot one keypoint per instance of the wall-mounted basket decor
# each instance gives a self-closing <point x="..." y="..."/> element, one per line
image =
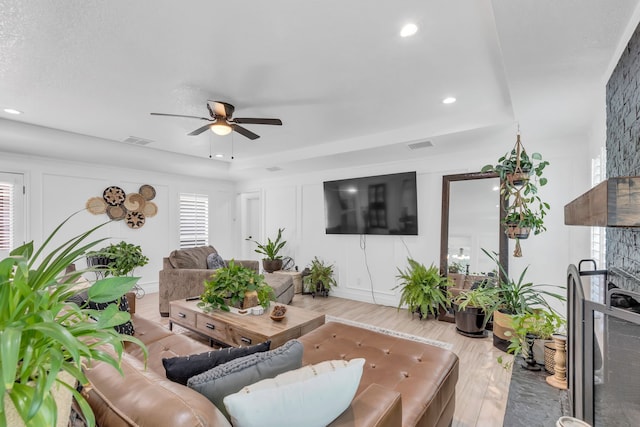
<point x="134" y="208"/>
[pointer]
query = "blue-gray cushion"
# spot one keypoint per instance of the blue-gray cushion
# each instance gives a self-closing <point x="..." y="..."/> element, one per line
<point x="215" y="261"/>
<point x="230" y="377"/>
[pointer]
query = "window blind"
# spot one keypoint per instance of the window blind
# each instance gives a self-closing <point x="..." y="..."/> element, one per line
<point x="194" y="220"/>
<point x="6" y="216"/>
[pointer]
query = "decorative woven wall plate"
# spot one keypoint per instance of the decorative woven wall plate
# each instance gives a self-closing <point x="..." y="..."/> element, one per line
<point x="96" y="205"/>
<point x="116" y="212"/>
<point x="148" y="192"/>
<point x="113" y="195"/>
<point x="134" y="202"/>
<point x="150" y="209"/>
<point x="135" y="219"/>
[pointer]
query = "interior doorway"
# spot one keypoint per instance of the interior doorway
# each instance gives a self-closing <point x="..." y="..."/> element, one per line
<point x="251" y="215"/>
<point x="12" y="212"/>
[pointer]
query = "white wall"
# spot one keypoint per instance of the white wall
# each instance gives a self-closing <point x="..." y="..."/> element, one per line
<point x="56" y="189"/>
<point x="366" y="266"/>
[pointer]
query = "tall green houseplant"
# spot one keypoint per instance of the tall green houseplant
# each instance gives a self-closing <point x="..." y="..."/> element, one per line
<point x="43" y="335"/>
<point x="424" y="291"/>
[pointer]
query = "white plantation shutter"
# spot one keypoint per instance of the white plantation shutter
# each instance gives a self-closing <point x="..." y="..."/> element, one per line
<point x="194" y="220"/>
<point x="6" y="216"/>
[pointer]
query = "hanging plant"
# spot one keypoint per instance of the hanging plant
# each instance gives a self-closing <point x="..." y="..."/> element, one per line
<point x="520" y="175"/>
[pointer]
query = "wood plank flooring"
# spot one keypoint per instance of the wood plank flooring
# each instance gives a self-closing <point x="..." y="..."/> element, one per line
<point x="483" y="384"/>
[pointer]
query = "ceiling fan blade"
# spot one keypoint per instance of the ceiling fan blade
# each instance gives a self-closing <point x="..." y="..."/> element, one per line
<point x="248" y="120"/>
<point x="221" y="109"/>
<point x="245" y="132"/>
<point x="200" y="130"/>
<point x="179" y="115"/>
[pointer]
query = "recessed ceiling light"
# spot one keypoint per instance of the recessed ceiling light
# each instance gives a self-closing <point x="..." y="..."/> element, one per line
<point x="408" y="30"/>
<point x="219" y="156"/>
<point x="449" y="100"/>
<point x="12" y="111"/>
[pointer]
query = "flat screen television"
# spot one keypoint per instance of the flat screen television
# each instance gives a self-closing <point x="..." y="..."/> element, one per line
<point x="383" y="204"/>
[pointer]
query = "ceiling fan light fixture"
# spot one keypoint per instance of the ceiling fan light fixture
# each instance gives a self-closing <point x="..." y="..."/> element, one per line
<point x="221" y="128"/>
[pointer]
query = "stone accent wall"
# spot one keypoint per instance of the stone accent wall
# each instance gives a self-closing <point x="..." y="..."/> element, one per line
<point x="623" y="154"/>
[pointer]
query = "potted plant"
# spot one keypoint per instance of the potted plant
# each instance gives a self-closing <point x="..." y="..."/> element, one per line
<point x="236" y="286"/>
<point x="519" y="222"/>
<point x="43" y="337"/>
<point x="472" y="309"/>
<point x="515" y="297"/>
<point x="517" y="174"/>
<point x="540" y="325"/>
<point x="271" y="261"/>
<point x="119" y="259"/>
<point x="424" y="290"/>
<point x="320" y="278"/>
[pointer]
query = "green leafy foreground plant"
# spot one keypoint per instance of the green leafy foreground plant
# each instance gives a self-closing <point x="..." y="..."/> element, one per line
<point x="228" y="286"/>
<point x="42" y="335"/>
<point x="423" y="289"/>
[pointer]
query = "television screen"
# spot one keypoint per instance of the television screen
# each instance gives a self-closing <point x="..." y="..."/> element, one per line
<point x="383" y="204"/>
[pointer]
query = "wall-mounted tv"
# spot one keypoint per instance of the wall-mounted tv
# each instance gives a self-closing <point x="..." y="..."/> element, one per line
<point x="383" y="204"/>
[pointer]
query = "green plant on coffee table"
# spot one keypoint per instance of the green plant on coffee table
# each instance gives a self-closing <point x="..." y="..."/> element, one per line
<point x="122" y="258"/>
<point x="321" y="277"/>
<point x="228" y="286"/>
<point x="424" y="290"/>
<point x="271" y="249"/>
<point x="43" y="335"/>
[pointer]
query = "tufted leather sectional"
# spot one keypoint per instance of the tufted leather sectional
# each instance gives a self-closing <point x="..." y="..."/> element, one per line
<point x="423" y="375"/>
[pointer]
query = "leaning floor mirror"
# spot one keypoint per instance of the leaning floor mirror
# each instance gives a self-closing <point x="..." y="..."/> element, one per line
<point x="472" y="210"/>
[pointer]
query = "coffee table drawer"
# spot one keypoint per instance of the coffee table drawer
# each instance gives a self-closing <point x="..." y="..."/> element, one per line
<point x="212" y="328"/>
<point x="182" y="316"/>
<point x="239" y="337"/>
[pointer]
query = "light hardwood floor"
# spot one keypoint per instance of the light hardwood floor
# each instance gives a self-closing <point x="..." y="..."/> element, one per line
<point x="483" y="384"/>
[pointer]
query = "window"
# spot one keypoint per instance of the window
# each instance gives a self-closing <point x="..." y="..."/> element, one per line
<point x="6" y="216"/>
<point x="598" y="234"/>
<point x="194" y="220"/>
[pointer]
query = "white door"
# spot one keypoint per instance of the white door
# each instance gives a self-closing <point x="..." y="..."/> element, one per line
<point x="250" y="214"/>
<point x="12" y="212"/>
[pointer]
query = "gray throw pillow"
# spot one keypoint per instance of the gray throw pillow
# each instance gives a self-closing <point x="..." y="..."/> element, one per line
<point x="215" y="261"/>
<point x="230" y="377"/>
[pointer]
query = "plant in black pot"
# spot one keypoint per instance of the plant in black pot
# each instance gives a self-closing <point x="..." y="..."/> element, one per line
<point x="236" y="286"/>
<point x="473" y="310"/>
<point x="272" y="261"/>
<point x="117" y="259"/>
<point x="320" y="279"/>
<point x="424" y="290"/>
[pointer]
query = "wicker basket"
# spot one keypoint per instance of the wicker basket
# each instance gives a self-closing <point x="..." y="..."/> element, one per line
<point x="549" y="355"/>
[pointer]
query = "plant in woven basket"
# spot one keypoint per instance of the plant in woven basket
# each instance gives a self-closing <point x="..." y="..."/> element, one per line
<point x="229" y="285"/>
<point x="43" y="335"/>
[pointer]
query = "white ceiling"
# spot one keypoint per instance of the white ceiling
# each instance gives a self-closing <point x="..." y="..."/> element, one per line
<point x="348" y="89"/>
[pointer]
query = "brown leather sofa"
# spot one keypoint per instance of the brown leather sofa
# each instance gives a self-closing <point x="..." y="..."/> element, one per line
<point x="184" y="272"/>
<point x="404" y="383"/>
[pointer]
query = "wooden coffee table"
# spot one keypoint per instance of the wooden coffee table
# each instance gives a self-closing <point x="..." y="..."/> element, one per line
<point x="238" y="330"/>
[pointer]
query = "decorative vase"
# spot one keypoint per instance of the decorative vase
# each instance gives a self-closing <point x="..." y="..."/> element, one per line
<point x="271" y="265"/>
<point x="62" y="396"/>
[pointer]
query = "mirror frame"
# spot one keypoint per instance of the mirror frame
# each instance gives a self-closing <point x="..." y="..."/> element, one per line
<point x="503" y="245"/>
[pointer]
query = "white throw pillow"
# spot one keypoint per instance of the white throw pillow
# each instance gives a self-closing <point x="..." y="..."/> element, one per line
<point x="313" y="395"/>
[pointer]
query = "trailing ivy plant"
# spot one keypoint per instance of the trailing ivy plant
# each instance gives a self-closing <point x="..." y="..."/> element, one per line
<point x="424" y="290"/>
<point x="228" y="285"/>
<point x="121" y="258"/>
<point x="42" y="334"/>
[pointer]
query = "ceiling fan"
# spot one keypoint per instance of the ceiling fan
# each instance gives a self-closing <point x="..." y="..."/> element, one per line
<point x="222" y="121"/>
